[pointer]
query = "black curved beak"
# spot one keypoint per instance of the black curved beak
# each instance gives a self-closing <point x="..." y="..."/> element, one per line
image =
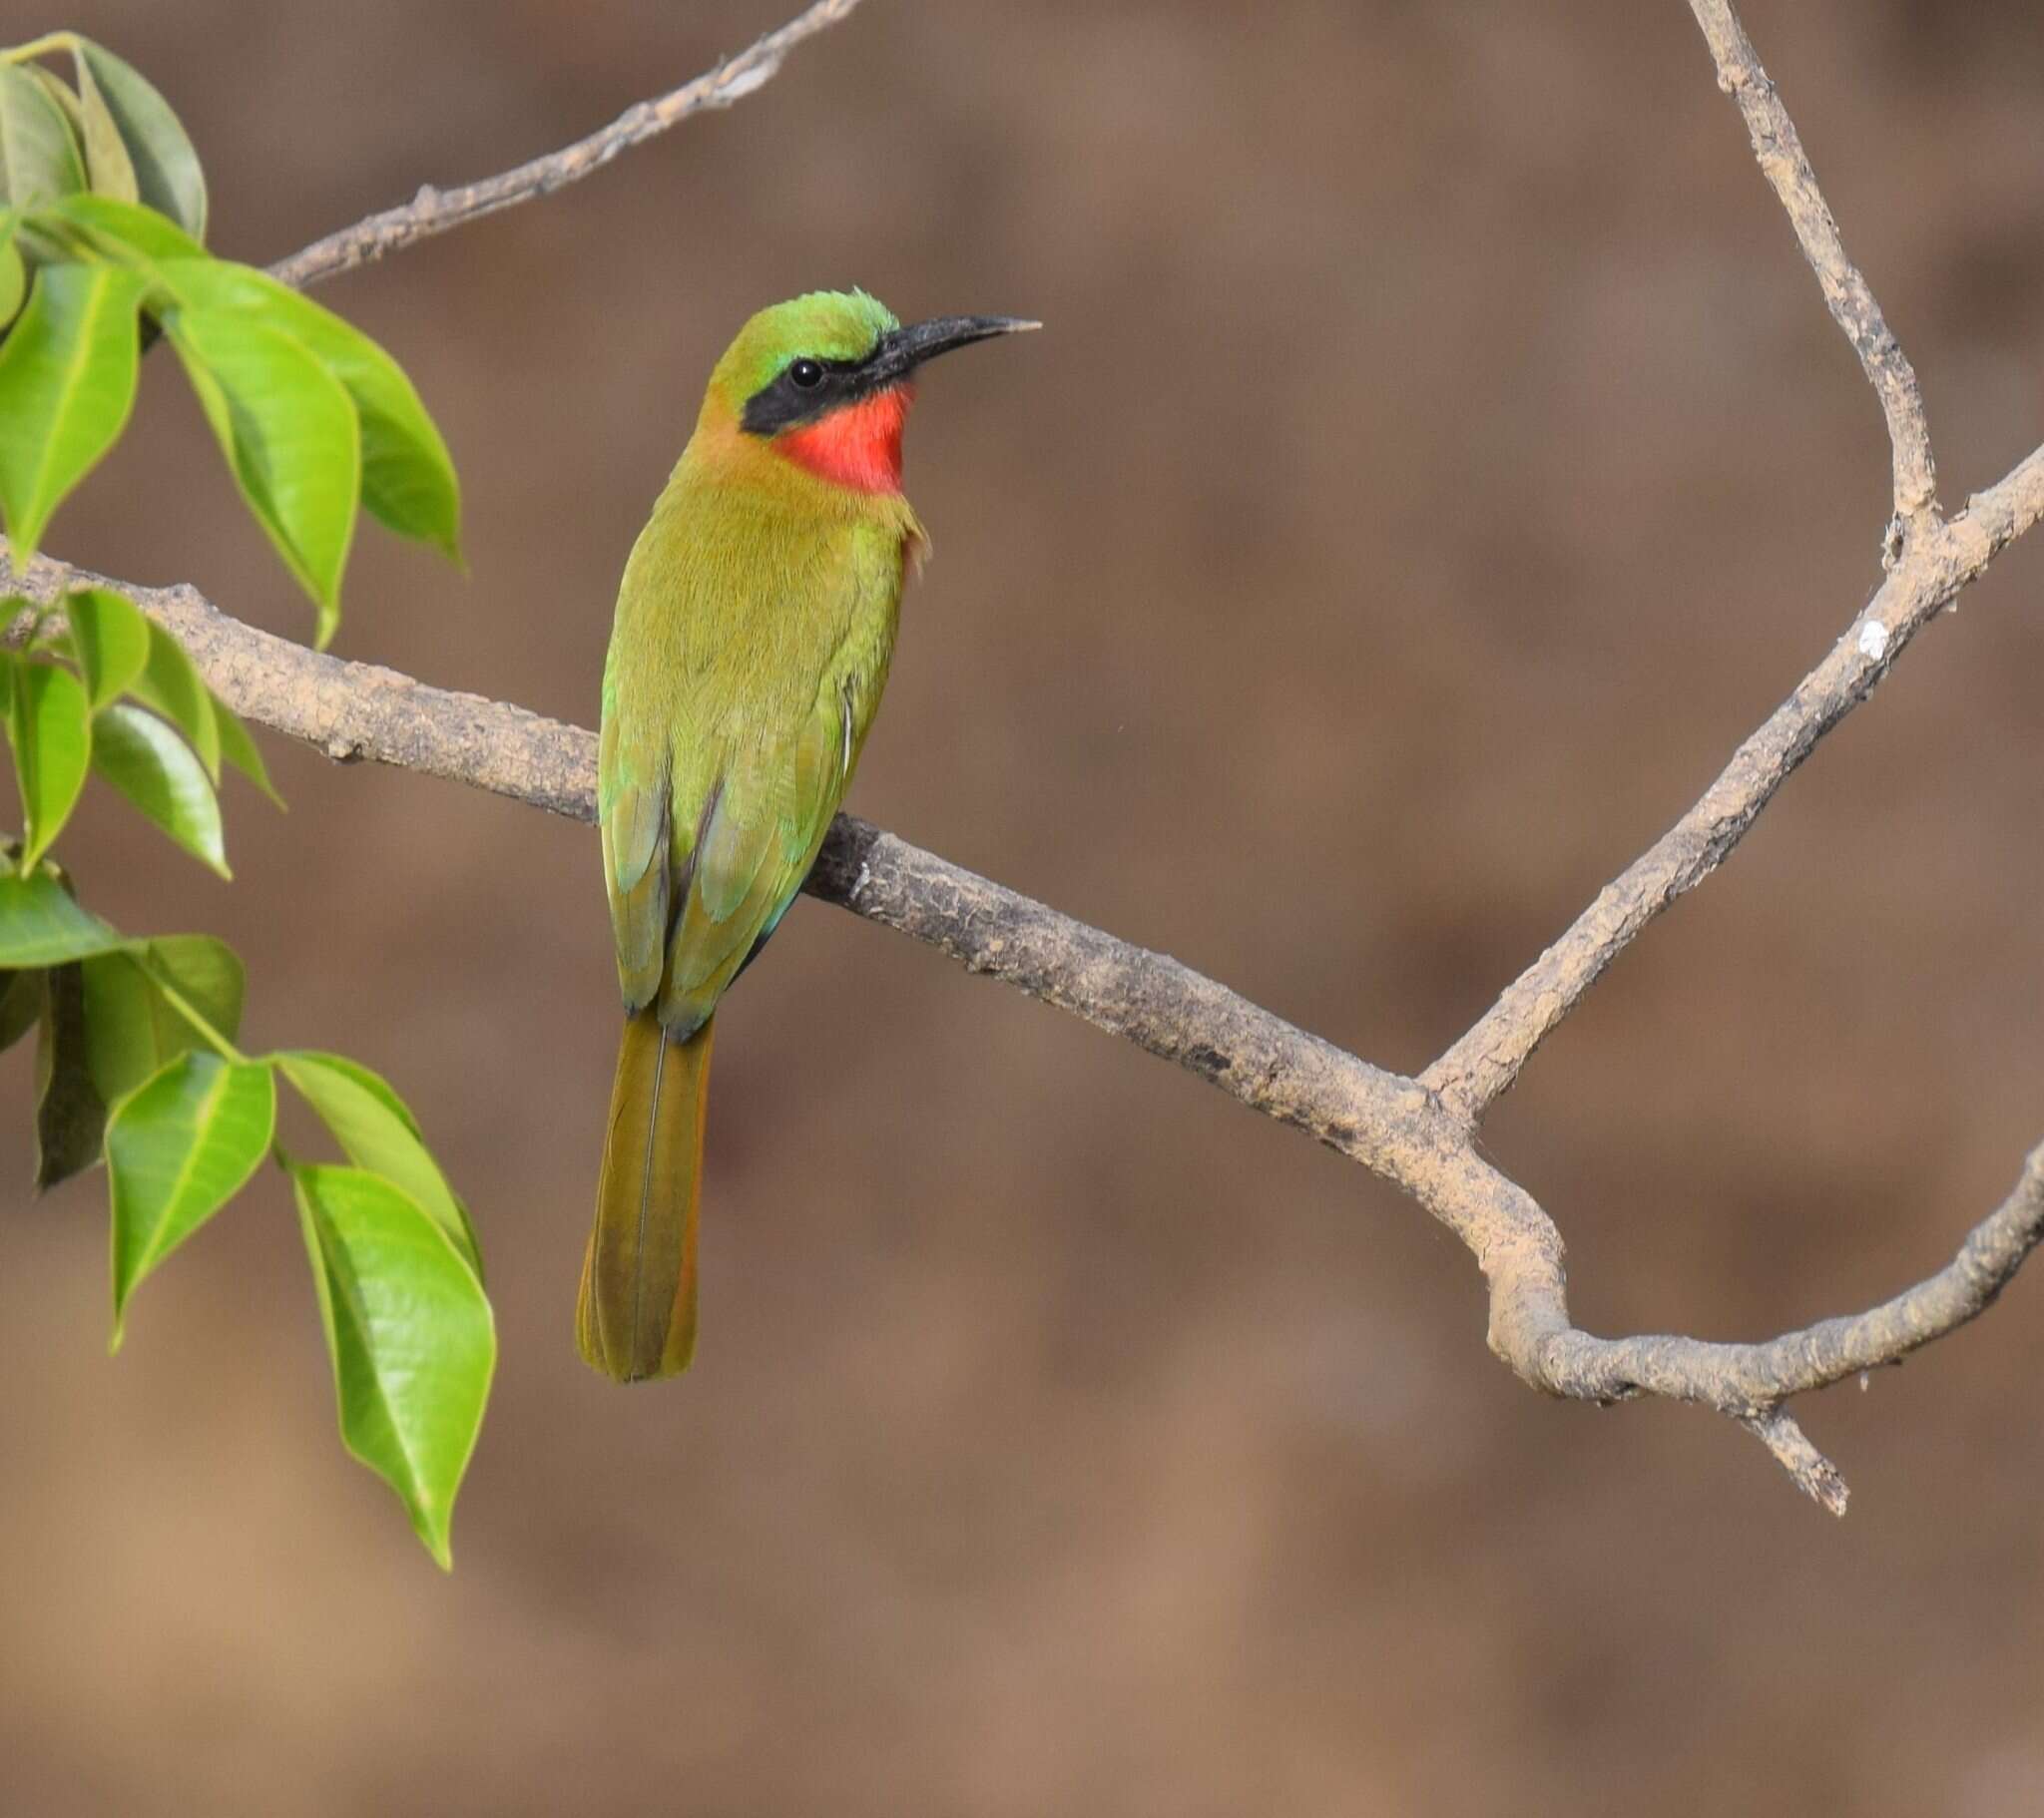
<point x="901" y="351"/>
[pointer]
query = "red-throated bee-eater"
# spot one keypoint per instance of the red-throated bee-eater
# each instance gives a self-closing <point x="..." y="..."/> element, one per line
<point x="754" y="625"/>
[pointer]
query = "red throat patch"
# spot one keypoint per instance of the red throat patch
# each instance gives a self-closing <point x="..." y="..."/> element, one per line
<point x="858" y="446"/>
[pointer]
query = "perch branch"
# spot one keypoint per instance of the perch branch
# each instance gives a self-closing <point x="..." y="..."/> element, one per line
<point x="1416" y="1134"/>
<point x="1398" y="1128"/>
<point x="435" y="210"/>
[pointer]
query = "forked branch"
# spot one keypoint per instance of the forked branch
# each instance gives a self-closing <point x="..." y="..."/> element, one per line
<point x="1419" y="1133"/>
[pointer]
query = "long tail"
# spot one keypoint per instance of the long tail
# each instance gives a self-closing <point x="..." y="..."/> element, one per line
<point x="637" y="1314"/>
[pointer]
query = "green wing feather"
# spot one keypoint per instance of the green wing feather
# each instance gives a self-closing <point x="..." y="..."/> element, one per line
<point x="770" y="809"/>
<point x="633" y="816"/>
<point x="737" y="702"/>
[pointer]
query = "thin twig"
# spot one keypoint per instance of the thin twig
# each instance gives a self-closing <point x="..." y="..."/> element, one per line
<point x="435" y="210"/>
<point x="1778" y="148"/>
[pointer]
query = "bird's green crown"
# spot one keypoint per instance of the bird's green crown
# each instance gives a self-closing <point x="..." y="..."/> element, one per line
<point x="828" y="326"/>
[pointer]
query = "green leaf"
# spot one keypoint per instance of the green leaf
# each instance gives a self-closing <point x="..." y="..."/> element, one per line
<point x="107" y="162"/>
<point x="49" y="722"/>
<point x="70" y="1114"/>
<point x="109" y="638"/>
<point x="288" y="428"/>
<point x="166" y="171"/>
<point x="39" y="155"/>
<point x="13" y="274"/>
<point x="204" y="971"/>
<point x="155" y="768"/>
<point x="107" y="167"/>
<point x="129" y="1031"/>
<point x="41" y="926"/>
<point x="178" y="1148"/>
<point x="377" y="1130"/>
<point x="132" y="1029"/>
<point x="120" y="230"/>
<point x="408" y="481"/>
<point x="169" y="682"/>
<point x="67" y="384"/>
<point x="172" y="684"/>
<point x="410" y="1333"/>
<point x="20" y="1005"/>
<point x="238" y="749"/>
<point x="67" y="105"/>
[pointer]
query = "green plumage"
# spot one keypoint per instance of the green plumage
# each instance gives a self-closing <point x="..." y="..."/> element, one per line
<point x="755" y="626"/>
<point x="636" y="1317"/>
<point x="753" y="641"/>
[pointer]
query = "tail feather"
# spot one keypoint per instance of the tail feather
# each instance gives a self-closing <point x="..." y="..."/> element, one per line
<point x="637" y="1314"/>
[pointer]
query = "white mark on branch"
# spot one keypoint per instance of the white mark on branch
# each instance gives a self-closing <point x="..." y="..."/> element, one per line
<point x="746" y="81"/>
<point x="1874" y="639"/>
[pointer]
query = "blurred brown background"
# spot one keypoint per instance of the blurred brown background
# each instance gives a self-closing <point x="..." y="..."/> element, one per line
<point x="1438" y="460"/>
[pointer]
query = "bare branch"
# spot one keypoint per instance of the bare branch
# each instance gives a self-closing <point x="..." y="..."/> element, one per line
<point x="1748" y="1382"/>
<point x="1768" y="1374"/>
<point x="1483" y="1062"/>
<point x="1778" y="148"/>
<point x="357" y="711"/>
<point x="1813" y="1473"/>
<point x="1395" y="1127"/>
<point x="1416" y="1134"/>
<point x="435" y="210"/>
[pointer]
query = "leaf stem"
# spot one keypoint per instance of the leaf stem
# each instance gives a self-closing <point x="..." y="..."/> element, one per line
<point x="40" y="47"/>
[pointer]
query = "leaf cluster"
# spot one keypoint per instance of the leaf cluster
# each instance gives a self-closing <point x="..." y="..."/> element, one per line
<point x="102" y="224"/>
<point x="103" y="210"/>
<point x="137" y="1063"/>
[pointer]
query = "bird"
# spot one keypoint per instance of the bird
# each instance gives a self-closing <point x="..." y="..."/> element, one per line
<point x="756" y="620"/>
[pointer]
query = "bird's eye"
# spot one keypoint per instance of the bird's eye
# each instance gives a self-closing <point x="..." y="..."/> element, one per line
<point x="806" y="374"/>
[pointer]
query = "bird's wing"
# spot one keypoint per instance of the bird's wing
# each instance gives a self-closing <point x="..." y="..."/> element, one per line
<point x="632" y="812"/>
<point x="764" y="819"/>
<point x="736" y="700"/>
